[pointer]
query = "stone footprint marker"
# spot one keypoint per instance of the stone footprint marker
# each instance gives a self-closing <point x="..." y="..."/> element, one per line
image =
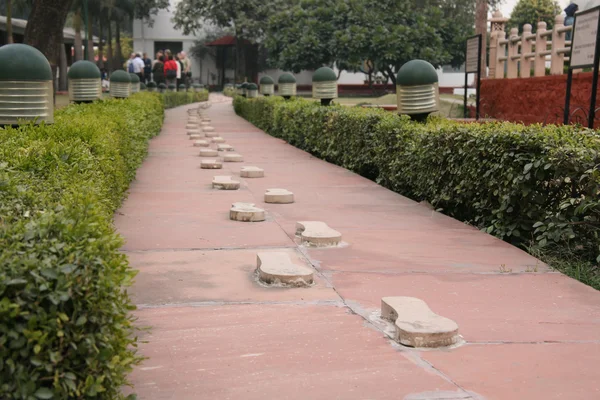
<point x="246" y="212"/>
<point x="201" y="143"/>
<point x="416" y="325"/>
<point x="225" y="183"/>
<point x="252" y="172"/>
<point x="232" y="157"/>
<point x="217" y="139"/>
<point x="195" y="137"/>
<point x="224" y="147"/>
<point x="279" y="196"/>
<point x="277" y="268"/>
<point x="208" y="153"/>
<point x="211" y="164"/>
<point x="317" y="233"/>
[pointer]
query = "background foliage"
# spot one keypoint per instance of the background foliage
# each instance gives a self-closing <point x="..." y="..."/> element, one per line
<point x="536" y="187"/>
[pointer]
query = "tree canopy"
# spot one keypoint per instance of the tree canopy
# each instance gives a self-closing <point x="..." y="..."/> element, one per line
<point x="307" y="34"/>
<point x="532" y="12"/>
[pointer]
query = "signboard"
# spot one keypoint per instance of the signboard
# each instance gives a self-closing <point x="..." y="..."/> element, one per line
<point x="473" y="49"/>
<point x="585" y="32"/>
<point x="585" y="53"/>
<point x="472" y="65"/>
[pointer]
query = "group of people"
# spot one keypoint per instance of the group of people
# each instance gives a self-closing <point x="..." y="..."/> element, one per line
<point x="166" y="68"/>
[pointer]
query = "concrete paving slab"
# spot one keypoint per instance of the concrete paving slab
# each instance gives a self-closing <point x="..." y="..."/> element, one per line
<point x="273" y="352"/>
<point x="541" y="371"/>
<point x="191" y="277"/>
<point x="489" y="308"/>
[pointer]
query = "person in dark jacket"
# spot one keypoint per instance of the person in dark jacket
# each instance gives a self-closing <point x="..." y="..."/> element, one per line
<point x="570" y="18"/>
<point x="147" y="68"/>
<point x="158" y="70"/>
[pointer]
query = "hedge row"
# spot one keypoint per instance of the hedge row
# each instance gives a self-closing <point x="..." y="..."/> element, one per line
<point x="175" y="99"/>
<point x="65" y="324"/>
<point x="530" y="185"/>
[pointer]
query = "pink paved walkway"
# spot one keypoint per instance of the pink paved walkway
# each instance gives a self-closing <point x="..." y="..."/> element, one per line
<point x="217" y="334"/>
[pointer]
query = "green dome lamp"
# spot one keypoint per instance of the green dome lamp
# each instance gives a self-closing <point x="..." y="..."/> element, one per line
<point x="287" y="85"/>
<point x="251" y="90"/>
<point x="85" y="83"/>
<point x="172" y="87"/>
<point x="417" y="90"/>
<point x="238" y="90"/>
<point x="324" y="85"/>
<point x="120" y="84"/>
<point x="26" y="92"/>
<point x="135" y="83"/>
<point x="245" y="89"/>
<point x="143" y="86"/>
<point x="267" y="86"/>
<point x="151" y="86"/>
<point x="162" y="87"/>
<point x="196" y="87"/>
<point x="182" y="87"/>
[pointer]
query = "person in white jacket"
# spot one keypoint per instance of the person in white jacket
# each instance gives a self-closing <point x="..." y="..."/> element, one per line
<point x="178" y="62"/>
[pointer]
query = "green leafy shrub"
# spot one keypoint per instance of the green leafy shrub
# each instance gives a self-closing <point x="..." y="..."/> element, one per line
<point x="65" y="324"/>
<point x="529" y="185"/>
<point x="229" y="91"/>
<point x="176" y="99"/>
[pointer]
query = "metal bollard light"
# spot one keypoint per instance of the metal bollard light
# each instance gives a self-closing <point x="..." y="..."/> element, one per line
<point x="287" y="85"/>
<point x="26" y="93"/>
<point x="251" y="90"/>
<point x="135" y="83"/>
<point x="267" y="86"/>
<point x="324" y="85"/>
<point x="85" y="82"/>
<point x="120" y="84"/>
<point x="417" y="90"/>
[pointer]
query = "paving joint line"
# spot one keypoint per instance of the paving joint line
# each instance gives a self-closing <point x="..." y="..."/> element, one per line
<point x="214" y="303"/>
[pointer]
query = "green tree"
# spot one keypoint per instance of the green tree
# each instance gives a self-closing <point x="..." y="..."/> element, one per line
<point x="532" y="12"/>
<point x="245" y="18"/>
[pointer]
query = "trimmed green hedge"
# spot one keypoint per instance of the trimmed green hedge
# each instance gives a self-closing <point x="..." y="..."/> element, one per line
<point x="65" y="324"/>
<point x="530" y="185"/>
<point x="175" y="99"/>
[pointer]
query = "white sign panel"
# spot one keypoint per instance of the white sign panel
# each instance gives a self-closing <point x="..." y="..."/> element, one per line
<point x="472" y="62"/>
<point x="583" y="47"/>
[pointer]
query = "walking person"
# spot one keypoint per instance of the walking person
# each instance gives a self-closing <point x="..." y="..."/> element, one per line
<point x="138" y="66"/>
<point x="158" y="70"/>
<point x="570" y="18"/>
<point x="179" y="69"/>
<point x="187" y="69"/>
<point x="170" y="70"/>
<point x="147" y="68"/>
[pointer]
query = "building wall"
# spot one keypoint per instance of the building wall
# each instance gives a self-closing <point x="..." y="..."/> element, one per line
<point x="536" y="100"/>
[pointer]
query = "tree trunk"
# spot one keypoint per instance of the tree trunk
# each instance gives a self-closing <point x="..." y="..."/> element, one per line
<point x="481" y="15"/>
<point x="118" y="53"/>
<point x="9" y="32"/>
<point x="388" y="73"/>
<point x="109" y="56"/>
<point x="101" y="45"/>
<point x="44" y="29"/>
<point x="90" y="35"/>
<point x="78" y="41"/>
<point x="237" y="57"/>
<point x="62" y="69"/>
